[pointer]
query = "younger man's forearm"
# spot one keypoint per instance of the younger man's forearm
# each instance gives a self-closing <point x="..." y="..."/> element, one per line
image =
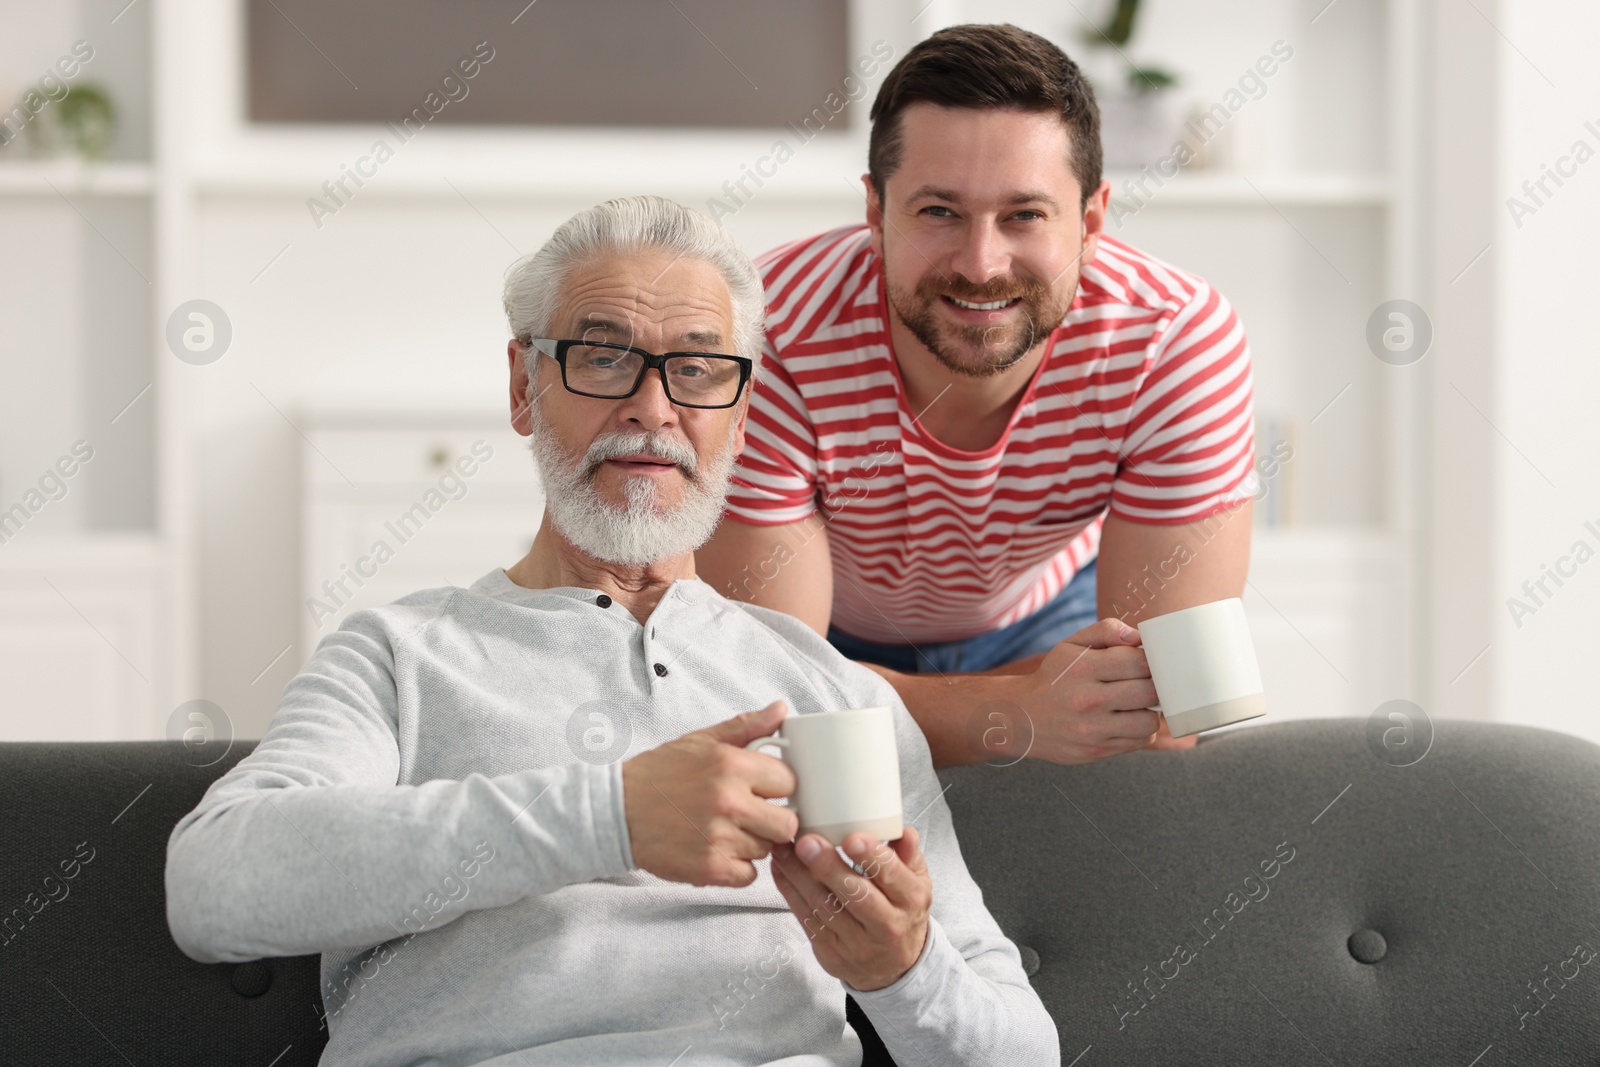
<point x="950" y="709"/>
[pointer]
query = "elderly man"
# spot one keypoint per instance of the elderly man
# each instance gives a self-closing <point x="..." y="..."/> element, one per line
<point x="518" y="820"/>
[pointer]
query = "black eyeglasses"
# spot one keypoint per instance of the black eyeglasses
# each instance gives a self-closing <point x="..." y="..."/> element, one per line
<point x="612" y="372"/>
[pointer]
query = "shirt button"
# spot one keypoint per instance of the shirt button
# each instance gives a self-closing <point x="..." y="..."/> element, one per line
<point x="603" y="600"/>
<point x="661" y="670"/>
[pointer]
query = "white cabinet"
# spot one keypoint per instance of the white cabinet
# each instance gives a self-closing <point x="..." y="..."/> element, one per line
<point x="1321" y="610"/>
<point x="84" y="652"/>
<point x="398" y="502"/>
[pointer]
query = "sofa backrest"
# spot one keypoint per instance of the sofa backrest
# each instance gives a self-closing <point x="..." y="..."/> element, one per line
<point x="1303" y="893"/>
<point x="94" y="976"/>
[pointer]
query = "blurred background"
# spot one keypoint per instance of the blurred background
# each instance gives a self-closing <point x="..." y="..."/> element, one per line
<point x="251" y="254"/>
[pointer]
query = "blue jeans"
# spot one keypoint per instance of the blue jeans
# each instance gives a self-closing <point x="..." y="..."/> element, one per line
<point x="1070" y="611"/>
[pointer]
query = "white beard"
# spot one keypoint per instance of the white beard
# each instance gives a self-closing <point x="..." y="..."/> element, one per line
<point x="641" y="531"/>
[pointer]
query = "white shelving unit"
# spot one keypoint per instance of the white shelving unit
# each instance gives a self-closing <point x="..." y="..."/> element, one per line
<point x="1305" y="247"/>
<point x="96" y="641"/>
<point x="1227" y="189"/>
<point x="820" y="180"/>
<point x="73" y="178"/>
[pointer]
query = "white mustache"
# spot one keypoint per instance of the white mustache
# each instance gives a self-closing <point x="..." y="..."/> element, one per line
<point x="615" y="445"/>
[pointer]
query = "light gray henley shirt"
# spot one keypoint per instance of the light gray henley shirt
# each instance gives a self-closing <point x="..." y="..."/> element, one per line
<point x="437" y="809"/>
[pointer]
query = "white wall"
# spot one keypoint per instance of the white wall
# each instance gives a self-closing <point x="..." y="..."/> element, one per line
<point x="1461" y="149"/>
<point x="1546" y="381"/>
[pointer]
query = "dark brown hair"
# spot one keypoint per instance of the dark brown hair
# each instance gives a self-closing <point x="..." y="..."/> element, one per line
<point x="987" y="66"/>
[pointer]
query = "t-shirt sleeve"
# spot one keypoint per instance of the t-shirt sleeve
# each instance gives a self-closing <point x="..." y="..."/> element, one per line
<point x="775" y="481"/>
<point x="1189" y="446"/>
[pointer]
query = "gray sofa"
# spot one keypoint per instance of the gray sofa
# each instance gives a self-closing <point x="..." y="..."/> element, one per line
<point x="1281" y="894"/>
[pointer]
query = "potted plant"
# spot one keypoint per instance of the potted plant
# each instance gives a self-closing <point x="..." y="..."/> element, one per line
<point x="1140" y="118"/>
<point x="87" y="119"/>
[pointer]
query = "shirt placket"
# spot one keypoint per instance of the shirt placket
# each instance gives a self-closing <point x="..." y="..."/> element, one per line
<point x="658" y="656"/>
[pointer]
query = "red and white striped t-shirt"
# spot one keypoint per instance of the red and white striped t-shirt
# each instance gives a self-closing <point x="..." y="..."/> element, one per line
<point x="1142" y="404"/>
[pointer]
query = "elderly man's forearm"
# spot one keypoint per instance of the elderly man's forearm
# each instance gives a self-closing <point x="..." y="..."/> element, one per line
<point x="285" y="871"/>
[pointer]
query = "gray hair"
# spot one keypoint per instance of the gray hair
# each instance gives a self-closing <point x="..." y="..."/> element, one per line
<point x="633" y="224"/>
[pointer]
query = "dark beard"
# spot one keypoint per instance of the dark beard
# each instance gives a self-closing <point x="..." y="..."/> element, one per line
<point x="1041" y="313"/>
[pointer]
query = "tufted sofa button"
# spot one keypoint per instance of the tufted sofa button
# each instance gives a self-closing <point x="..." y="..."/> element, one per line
<point x="1030" y="960"/>
<point x="251" y="979"/>
<point x="1368" y="946"/>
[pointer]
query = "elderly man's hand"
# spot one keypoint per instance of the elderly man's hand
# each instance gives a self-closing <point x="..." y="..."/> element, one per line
<point x="697" y="809"/>
<point x="1088" y="698"/>
<point x="867" y="931"/>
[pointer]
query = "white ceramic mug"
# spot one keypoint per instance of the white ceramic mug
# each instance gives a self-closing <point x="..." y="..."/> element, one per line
<point x="847" y="770"/>
<point x="1204" y="666"/>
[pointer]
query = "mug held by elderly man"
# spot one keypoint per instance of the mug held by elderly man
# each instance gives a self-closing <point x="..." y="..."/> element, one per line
<point x="631" y="893"/>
